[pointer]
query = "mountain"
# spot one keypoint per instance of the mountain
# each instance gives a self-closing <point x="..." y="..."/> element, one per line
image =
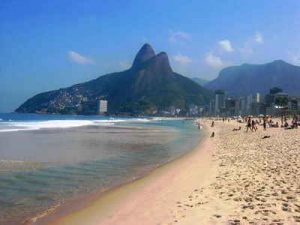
<point x="248" y="79"/>
<point x="150" y="85"/>
<point x="200" y="81"/>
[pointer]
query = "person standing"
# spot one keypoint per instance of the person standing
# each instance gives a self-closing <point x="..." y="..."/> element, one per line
<point x="265" y="123"/>
<point x="248" y="123"/>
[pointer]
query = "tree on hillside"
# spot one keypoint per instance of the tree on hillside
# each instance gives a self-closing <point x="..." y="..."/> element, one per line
<point x="281" y="101"/>
<point x="275" y="90"/>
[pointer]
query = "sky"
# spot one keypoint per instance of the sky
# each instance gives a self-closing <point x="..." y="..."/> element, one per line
<point x="51" y="44"/>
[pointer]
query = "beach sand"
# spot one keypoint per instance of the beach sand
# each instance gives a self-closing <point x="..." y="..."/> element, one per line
<point x="233" y="178"/>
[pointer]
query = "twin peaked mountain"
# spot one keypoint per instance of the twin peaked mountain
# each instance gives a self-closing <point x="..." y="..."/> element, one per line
<point x="150" y="85"/>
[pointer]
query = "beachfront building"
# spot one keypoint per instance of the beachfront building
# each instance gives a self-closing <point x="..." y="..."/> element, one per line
<point x="257" y="98"/>
<point x="102" y="107"/>
<point x="231" y="106"/>
<point x="219" y="102"/>
<point x="242" y="106"/>
<point x="274" y="103"/>
<point x="249" y="101"/>
<point x="294" y="103"/>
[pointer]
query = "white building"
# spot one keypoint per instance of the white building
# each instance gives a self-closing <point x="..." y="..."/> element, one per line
<point x="102" y="107"/>
<point x="257" y="98"/>
<point x="219" y="102"/>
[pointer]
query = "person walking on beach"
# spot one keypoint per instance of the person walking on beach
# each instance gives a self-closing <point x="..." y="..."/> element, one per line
<point x="265" y="123"/>
<point x="253" y="126"/>
<point x="212" y="123"/>
<point x="248" y="124"/>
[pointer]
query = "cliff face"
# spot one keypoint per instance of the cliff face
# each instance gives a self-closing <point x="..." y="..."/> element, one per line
<point x="149" y="85"/>
<point x="248" y="79"/>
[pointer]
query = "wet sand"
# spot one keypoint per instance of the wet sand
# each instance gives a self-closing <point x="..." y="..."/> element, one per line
<point x="233" y="178"/>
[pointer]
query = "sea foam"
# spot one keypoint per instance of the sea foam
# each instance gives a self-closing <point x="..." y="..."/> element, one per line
<point x="13" y="126"/>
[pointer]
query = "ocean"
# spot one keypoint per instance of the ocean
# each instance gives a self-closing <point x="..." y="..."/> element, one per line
<point x="48" y="160"/>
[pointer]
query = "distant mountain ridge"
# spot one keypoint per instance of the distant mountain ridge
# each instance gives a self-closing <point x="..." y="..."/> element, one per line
<point x="148" y="86"/>
<point x="248" y="79"/>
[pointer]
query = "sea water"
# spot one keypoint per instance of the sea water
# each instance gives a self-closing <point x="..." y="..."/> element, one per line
<point x="46" y="160"/>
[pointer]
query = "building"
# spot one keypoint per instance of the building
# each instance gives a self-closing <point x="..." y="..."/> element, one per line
<point x="102" y="107"/>
<point x="257" y="98"/>
<point x="230" y="106"/>
<point x="274" y="103"/>
<point x="294" y="103"/>
<point x="219" y="102"/>
<point x="249" y="101"/>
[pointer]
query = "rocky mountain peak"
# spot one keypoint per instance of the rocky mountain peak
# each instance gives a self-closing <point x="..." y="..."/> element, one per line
<point x="144" y="54"/>
<point x="160" y="63"/>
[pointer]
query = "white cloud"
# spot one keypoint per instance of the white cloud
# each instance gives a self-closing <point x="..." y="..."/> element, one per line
<point x="259" y="38"/>
<point x="213" y="60"/>
<point x="226" y="46"/>
<point x="80" y="59"/>
<point x="182" y="59"/>
<point x="294" y="58"/>
<point x="250" y="45"/>
<point x="179" y="36"/>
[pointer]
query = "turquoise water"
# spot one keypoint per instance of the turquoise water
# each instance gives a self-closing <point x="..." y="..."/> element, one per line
<point x="46" y="160"/>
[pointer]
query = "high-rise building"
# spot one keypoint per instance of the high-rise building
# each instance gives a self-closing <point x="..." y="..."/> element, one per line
<point x="257" y="98"/>
<point x="249" y="101"/>
<point x="219" y="101"/>
<point x="102" y="109"/>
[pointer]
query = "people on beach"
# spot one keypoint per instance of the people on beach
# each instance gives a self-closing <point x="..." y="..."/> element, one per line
<point x="253" y="126"/>
<point x="237" y="129"/>
<point x="248" y="124"/>
<point x="295" y="122"/>
<point x="212" y="123"/>
<point x="265" y="123"/>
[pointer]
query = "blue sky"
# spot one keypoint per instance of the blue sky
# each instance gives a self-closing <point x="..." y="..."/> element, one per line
<point x="46" y="45"/>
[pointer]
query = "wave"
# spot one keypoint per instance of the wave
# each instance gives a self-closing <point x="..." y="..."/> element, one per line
<point x="37" y="125"/>
<point x="13" y="126"/>
<point x="166" y="118"/>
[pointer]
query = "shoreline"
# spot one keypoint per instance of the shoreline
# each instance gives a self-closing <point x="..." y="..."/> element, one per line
<point x="97" y="207"/>
<point x="235" y="178"/>
<point x="111" y="198"/>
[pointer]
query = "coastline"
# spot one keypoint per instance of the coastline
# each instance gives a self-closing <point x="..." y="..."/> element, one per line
<point x="237" y="177"/>
<point x="109" y="206"/>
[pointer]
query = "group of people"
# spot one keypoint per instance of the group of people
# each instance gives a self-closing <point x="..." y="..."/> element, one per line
<point x="294" y="123"/>
<point x="268" y="122"/>
<point x="265" y="121"/>
<point x="251" y="124"/>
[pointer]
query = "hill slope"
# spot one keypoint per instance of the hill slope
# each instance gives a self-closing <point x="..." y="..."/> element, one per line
<point x="149" y="85"/>
<point x="247" y="79"/>
<point x="200" y="81"/>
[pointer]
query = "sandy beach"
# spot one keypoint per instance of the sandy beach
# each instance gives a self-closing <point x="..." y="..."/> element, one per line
<point x="233" y="178"/>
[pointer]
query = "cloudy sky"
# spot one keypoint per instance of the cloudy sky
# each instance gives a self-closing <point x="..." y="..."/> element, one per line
<point x="47" y="44"/>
